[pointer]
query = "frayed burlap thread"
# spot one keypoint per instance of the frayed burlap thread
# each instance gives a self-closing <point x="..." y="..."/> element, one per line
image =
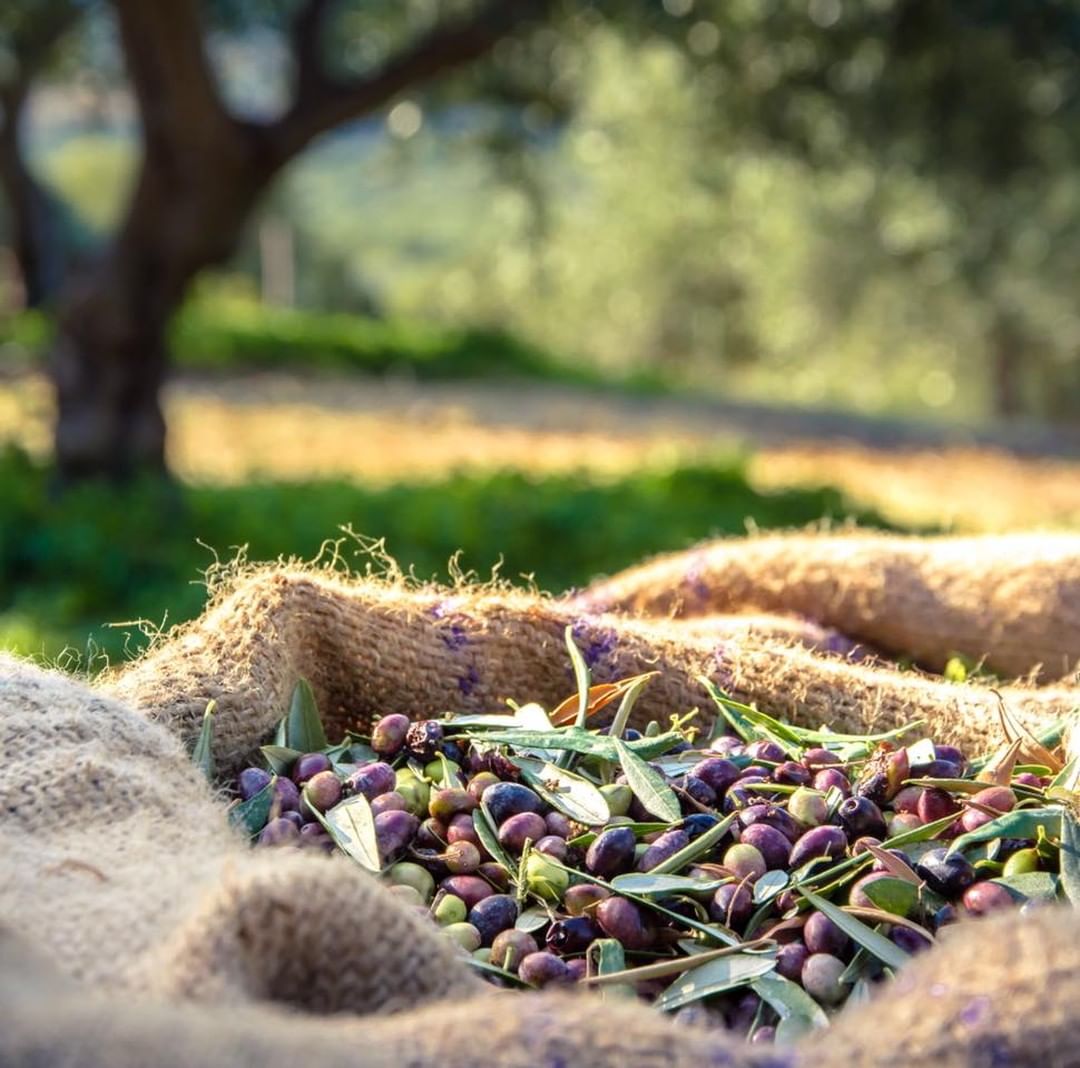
<point x="371" y="647"/>
<point x="1013" y="600"/>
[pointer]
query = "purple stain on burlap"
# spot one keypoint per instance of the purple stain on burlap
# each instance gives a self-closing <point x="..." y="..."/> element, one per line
<point x="695" y="582"/>
<point x="469" y="681"/>
<point x="723" y="675"/>
<point x="596" y="643"/>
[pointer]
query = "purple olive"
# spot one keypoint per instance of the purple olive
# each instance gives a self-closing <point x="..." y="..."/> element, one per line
<point x="423" y="739"/>
<point x="514" y="831"/>
<point x="584" y="896"/>
<point x="791" y="774"/>
<point x="952" y="755"/>
<point x="832" y="779"/>
<point x="309" y="765"/>
<point x="1000" y="799"/>
<point x="446" y="803"/>
<point x="321" y="792"/>
<point x="821" y="935"/>
<point x="907" y="799"/>
<point x="461" y="858"/>
<point x="818" y="842"/>
<point x="510" y="948"/>
<point x="559" y="825"/>
<point x="981" y="898"/>
<point x="732" y="905"/>
<point x="543" y="969"/>
<point x="766" y="750"/>
<point x="294" y="818"/>
<point x="819" y="758"/>
<point x="774" y="847"/>
<point x="790" y="960"/>
<point x="506" y="799"/>
<point x="252" y="781"/>
<point x="935" y="804"/>
<point x="372" y="780"/>
<point x="394" y="831"/>
<point x="821" y="978"/>
<point x="772" y="816"/>
<point x="622" y="920"/>
<point x="700" y="791"/>
<point x="390" y="802"/>
<point x="495" y="874"/>
<point x="716" y="772"/>
<point x="611" y="852"/>
<point x="577" y="969"/>
<point x="480" y="782"/>
<point x="949" y="874"/>
<point x="388" y="734"/>
<point x="313" y="836"/>
<point x="286" y="796"/>
<point x="462" y="829"/>
<point x="726" y="745"/>
<point x="908" y="940"/>
<point x="492" y="915"/>
<point x="470" y="888"/>
<point x="431" y="834"/>
<point x="279" y="832"/>
<point x="663" y="848"/>
<point x="551" y="845"/>
<point x="859" y="816"/>
<point x="572" y="935"/>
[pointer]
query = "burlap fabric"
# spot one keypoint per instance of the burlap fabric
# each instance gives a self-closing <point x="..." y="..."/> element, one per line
<point x="164" y="940"/>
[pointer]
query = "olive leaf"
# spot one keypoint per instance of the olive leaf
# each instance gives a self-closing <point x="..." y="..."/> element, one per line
<point x="610" y="959"/>
<point x="203" y="753"/>
<point x="279" y="758"/>
<point x="532" y="919"/>
<point x="769" y="885"/>
<point x="571" y="794"/>
<point x="1019" y="823"/>
<point x="797" y="1010"/>
<point x="485" y="831"/>
<point x="648" y="784"/>
<point x="303" y="725"/>
<point x="351" y="824"/>
<point x="1030" y="885"/>
<point x="894" y="896"/>
<point x="251" y="816"/>
<point x="583" y="742"/>
<point x="697" y="848"/>
<point x="714" y="977"/>
<point x="886" y="951"/>
<point x="648" y="882"/>
<point x="1070" y="856"/>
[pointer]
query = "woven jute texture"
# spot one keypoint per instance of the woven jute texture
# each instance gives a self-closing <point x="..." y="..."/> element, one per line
<point x="141" y="930"/>
<point x="1011" y="600"/>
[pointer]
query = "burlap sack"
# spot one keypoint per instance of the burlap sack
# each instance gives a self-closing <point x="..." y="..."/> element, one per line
<point x="167" y="941"/>
<point x="1011" y="600"/>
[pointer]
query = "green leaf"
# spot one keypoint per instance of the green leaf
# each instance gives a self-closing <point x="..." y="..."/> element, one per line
<point x="352" y="826"/>
<point x="581" y="677"/>
<point x="626" y="706"/>
<point x="611" y="958"/>
<point x="532" y="919"/>
<point x="895" y="896"/>
<point x="303" y="726"/>
<point x="697" y="848"/>
<point x="492" y="969"/>
<point x="1066" y="779"/>
<point x="1070" y="856"/>
<point x="279" y="758"/>
<point x="1030" y="885"/>
<point x="769" y="885"/>
<point x="797" y="1010"/>
<point x="203" y="753"/>
<point x="647" y="882"/>
<point x="571" y="794"/>
<point x="886" y="951"/>
<point x="485" y="831"/>
<point x="715" y="977"/>
<point x="640" y="829"/>
<point x="648" y="785"/>
<point x="250" y="816"/>
<point x="1020" y="823"/>
<point x="584" y="742"/>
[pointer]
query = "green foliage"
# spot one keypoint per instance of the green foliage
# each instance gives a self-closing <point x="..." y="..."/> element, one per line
<point x="75" y="562"/>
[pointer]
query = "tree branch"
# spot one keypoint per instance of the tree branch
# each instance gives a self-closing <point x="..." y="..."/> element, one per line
<point x="329" y="102"/>
<point x="306" y="36"/>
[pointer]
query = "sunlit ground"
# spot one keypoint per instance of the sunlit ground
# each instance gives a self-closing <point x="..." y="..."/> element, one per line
<point x="232" y="431"/>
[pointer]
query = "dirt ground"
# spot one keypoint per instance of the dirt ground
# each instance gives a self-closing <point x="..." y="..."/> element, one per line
<point x="285" y="427"/>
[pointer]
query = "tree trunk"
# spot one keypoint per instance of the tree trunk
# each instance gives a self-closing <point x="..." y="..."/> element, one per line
<point x="110" y="357"/>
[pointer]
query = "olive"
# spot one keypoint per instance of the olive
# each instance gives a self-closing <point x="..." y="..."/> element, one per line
<point x="982" y="898"/>
<point x="510" y="948"/>
<point x="462" y="829"/>
<point x="252" y="781"/>
<point x="832" y="779"/>
<point x="822" y="935"/>
<point x="763" y="1036"/>
<point x="543" y="969"/>
<point x="495" y="874"/>
<point x="821" y="978"/>
<point x="809" y="807"/>
<point x="448" y="909"/>
<point x="559" y="825"/>
<point x="307" y="765"/>
<point x="999" y="798"/>
<point x="461" y="858"/>
<point x="766" y="750"/>
<point x="790" y="960"/>
<point x="394" y="831"/>
<point x="697" y="823"/>
<point x="1027" y="778"/>
<point x="663" y="848"/>
<point x="908" y="940"/>
<point x="936" y="769"/>
<point x="321" y="792"/>
<point x="409" y="874"/>
<point x="952" y="754"/>
<point x="313" y="835"/>
<point x="572" y="935"/>
<point x="294" y="818"/>
<point x="792" y="774"/>
<point x="279" y="832"/>
<point x="1022" y="861"/>
<point x="818" y="842"/>
<point x="493" y="914"/>
<point x="577" y="969"/>
<point x="551" y="845"/>
<point x="611" y="852"/>
<point x="448" y="802"/>
<point x="545" y="878"/>
<point x="901" y="822"/>
<point x="465" y="934"/>
<point x="697" y="790"/>
<point x="907" y="799"/>
<point x="774" y="848"/>
<point x="286" y="796"/>
<point x="578" y="899"/>
<point x="388" y="734"/>
<point x="949" y="874"/>
<point x="372" y="780"/>
<point x="731" y="905"/>
<point x="716" y="772"/>
<point x="431" y="834"/>
<point x="408" y="895"/>
<point x="422" y="740"/>
<point x="819" y="758"/>
<point x="772" y="816"/>
<point x="619" y="797"/>
<point x="388" y="802"/>
<point x="727" y="745"/>
<point x="935" y="804"/>
<point x="859" y="816"/>
<point x="744" y="862"/>
<point x="506" y="799"/>
<point x="622" y="920"/>
<point x="470" y="888"/>
<point x="480" y="782"/>
<point x="517" y="829"/>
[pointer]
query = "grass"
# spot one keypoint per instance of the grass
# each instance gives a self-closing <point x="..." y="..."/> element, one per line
<point x="71" y="564"/>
